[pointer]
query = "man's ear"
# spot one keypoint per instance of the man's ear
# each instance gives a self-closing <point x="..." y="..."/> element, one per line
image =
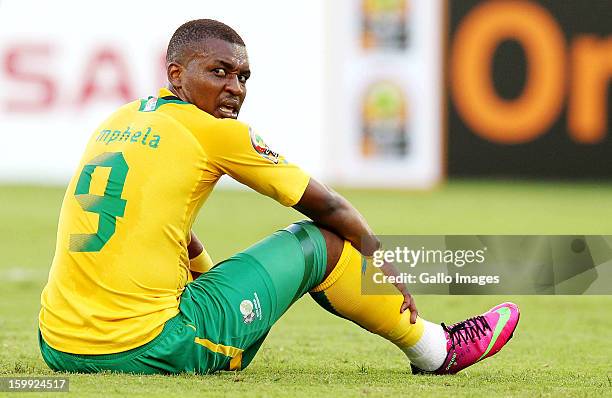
<point x="175" y="72"/>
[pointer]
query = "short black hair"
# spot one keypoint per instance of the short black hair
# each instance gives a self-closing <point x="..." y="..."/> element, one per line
<point x="197" y="31"/>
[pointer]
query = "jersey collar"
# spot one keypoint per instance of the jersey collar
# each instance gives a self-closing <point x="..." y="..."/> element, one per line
<point x="164" y="92"/>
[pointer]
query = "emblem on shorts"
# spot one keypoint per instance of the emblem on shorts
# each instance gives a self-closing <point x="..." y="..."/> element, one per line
<point x="246" y="309"/>
<point x="250" y="309"/>
<point x="262" y="148"/>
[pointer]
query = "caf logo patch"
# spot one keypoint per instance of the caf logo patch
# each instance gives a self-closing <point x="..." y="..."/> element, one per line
<point x="246" y="309"/>
<point x="262" y="148"/>
<point x="251" y="309"/>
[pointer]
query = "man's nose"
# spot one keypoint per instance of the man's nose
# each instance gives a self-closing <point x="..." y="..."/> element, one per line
<point x="233" y="86"/>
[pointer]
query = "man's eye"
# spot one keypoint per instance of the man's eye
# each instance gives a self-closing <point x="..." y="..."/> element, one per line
<point x="242" y="78"/>
<point x="219" y="72"/>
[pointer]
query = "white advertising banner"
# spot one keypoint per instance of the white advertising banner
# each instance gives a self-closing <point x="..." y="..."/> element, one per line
<point x="65" y="65"/>
<point x="384" y="87"/>
<point x="348" y="89"/>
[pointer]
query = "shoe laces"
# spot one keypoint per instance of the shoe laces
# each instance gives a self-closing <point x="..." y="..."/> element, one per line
<point x="467" y="331"/>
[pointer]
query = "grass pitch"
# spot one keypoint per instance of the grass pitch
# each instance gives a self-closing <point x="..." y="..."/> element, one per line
<point x="561" y="347"/>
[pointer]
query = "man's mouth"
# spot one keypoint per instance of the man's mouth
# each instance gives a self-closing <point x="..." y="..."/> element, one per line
<point x="228" y="110"/>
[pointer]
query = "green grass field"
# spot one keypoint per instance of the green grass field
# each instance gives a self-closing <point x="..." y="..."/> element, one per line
<point x="562" y="347"/>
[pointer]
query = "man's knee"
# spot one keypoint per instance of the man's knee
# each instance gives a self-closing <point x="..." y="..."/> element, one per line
<point x="333" y="245"/>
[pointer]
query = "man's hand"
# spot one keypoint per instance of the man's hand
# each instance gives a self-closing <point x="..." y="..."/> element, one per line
<point x="329" y="209"/>
<point x="409" y="303"/>
<point x="199" y="260"/>
<point x="195" y="247"/>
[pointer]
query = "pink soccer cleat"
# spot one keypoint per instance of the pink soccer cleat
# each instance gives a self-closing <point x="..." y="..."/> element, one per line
<point x="475" y="339"/>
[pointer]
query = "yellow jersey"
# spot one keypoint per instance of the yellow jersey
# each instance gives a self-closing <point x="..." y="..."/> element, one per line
<point x="121" y="260"/>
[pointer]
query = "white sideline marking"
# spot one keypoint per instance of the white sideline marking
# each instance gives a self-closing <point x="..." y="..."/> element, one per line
<point x="21" y="274"/>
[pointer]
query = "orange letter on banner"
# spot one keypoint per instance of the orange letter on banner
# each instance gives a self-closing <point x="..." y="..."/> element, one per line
<point x="478" y="35"/>
<point x="591" y="72"/>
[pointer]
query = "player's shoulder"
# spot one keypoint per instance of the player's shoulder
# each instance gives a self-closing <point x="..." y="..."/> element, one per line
<point x="230" y="126"/>
<point x="224" y="135"/>
<point x="199" y="121"/>
<point x="129" y="107"/>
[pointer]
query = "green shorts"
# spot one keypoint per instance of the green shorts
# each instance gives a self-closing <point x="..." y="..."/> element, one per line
<point x="225" y="314"/>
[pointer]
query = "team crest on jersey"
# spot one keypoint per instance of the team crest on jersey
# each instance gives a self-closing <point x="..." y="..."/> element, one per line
<point x="151" y="104"/>
<point x="262" y="148"/>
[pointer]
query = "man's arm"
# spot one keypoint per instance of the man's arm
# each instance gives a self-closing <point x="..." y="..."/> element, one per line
<point x="328" y="208"/>
<point x="199" y="259"/>
<point x="194" y="247"/>
<point x="235" y="149"/>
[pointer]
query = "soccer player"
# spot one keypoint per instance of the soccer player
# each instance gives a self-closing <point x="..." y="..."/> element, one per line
<point x="131" y="288"/>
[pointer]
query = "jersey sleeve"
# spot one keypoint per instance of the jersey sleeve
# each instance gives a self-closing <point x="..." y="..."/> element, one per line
<point x="236" y="150"/>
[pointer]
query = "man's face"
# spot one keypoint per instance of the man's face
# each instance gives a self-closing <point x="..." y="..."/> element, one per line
<point x="213" y="78"/>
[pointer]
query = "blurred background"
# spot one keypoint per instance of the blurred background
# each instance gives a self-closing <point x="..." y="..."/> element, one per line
<point x="367" y="93"/>
<point x="431" y="116"/>
<point x="396" y="93"/>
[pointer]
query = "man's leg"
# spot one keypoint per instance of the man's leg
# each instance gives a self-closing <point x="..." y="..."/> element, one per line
<point x="227" y="312"/>
<point x="431" y="348"/>
<point x="231" y="308"/>
<point x="340" y="293"/>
